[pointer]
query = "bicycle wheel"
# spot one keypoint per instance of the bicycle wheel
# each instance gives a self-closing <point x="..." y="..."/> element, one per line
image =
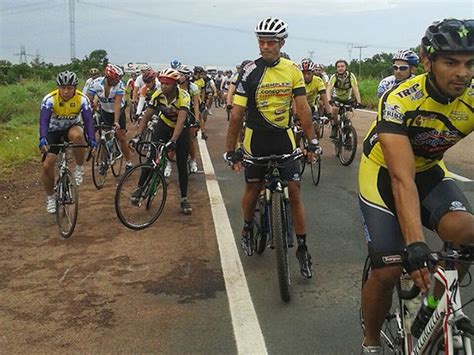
<point x="100" y="166"/>
<point x="144" y="148"/>
<point x="438" y="346"/>
<point x="316" y="170"/>
<point x="392" y="341"/>
<point x="303" y="143"/>
<point x="67" y="204"/>
<point x="140" y="196"/>
<point x="261" y="227"/>
<point x="348" y="145"/>
<point x="117" y="157"/>
<point x="278" y="230"/>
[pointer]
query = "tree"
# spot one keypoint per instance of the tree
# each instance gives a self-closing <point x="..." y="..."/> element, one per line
<point x="98" y="57"/>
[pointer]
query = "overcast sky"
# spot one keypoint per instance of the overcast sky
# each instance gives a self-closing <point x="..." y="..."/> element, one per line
<point x="216" y="32"/>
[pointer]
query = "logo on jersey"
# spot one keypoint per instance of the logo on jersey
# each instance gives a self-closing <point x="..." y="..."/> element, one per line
<point x="459" y="116"/>
<point x="392" y="113"/>
<point x="421" y="120"/>
<point x="457" y="206"/>
<point x="248" y="69"/>
<point x="296" y="177"/>
<point x="413" y="91"/>
<point x="391" y="259"/>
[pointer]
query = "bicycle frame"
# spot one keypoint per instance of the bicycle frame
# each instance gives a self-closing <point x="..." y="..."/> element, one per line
<point x="445" y="315"/>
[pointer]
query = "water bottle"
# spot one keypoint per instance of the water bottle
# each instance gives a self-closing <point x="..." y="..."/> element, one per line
<point x="427" y="308"/>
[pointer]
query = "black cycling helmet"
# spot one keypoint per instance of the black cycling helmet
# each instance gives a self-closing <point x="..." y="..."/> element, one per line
<point x="285" y="55"/>
<point x="449" y="35"/>
<point x="198" y="69"/>
<point x="67" y="78"/>
<point x="244" y="63"/>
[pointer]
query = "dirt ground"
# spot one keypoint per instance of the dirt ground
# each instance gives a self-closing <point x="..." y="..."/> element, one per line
<point x="81" y="294"/>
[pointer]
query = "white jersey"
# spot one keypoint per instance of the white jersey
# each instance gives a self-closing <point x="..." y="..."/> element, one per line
<point x="387" y="83"/>
<point x="225" y="83"/>
<point x="88" y="83"/>
<point x="107" y="103"/>
<point x="139" y="82"/>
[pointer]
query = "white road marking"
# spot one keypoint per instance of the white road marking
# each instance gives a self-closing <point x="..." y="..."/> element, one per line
<point x="248" y="334"/>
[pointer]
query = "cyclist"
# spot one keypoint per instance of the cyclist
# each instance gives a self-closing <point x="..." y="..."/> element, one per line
<point x="319" y="71"/>
<point x="210" y="93"/>
<point x="93" y="74"/>
<point x="403" y="181"/>
<point x="315" y="89"/>
<point x="175" y="63"/>
<point x="404" y="67"/>
<point x="198" y="79"/>
<point x="138" y="84"/>
<point x="151" y="85"/>
<point x="232" y="84"/>
<point x="342" y="87"/>
<point x="59" y="119"/>
<point x="172" y="105"/>
<point x="109" y="89"/>
<point x="218" y="79"/>
<point x="131" y="83"/>
<point x="194" y="93"/>
<point x="266" y="88"/>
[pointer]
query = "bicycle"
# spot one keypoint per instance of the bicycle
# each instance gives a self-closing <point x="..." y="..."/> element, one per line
<point x="273" y="226"/>
<point x="146" y="136"/>
<point x="345" y="142"/>
<point x="447" y="330"/>
<point x="67" y="198"/>
<point x="316" y="165"/>
<point x="109" y="155"/>
<point x="141" y="193"/>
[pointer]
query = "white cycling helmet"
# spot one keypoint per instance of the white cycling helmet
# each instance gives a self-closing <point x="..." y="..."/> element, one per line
<point x="272" y="27"/>
<point x="407" y="55"/>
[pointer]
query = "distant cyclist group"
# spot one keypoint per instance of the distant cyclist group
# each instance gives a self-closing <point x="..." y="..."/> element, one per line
<point x="404" y="183"/>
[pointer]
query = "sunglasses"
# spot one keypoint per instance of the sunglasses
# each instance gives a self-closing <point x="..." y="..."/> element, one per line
<point x="400" y="67"/>
<point x="268" y="42"/>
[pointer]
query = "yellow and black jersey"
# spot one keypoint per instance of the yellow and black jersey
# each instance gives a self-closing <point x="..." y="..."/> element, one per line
<point x="432" y="122"/>
<point x="267" y="90"/>
<point x="314" y="89"/>
<point x="169" y="110"/>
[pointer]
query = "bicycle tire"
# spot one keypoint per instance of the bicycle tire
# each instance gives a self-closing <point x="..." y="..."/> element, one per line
<point x="99" y="166"/>
<point x="437" y="347"/>
<point x="66" y="196"/>
<point x="316" y="170"/>
<point x="348" y="144"/>
<point x="279" y="234"/>
<point x="152" y="199"/>
<point x="392" y="342"/>
<point x="118" y="163"/>
<point x="260" y="231"/>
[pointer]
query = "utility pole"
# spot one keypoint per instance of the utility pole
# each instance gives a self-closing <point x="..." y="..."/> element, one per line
<point x="310" y="54"/>
<point x="23" y="55"/>
<point x="72" y="27"/>
<point x="349" y="49"/>
<point x="360" y="56"/>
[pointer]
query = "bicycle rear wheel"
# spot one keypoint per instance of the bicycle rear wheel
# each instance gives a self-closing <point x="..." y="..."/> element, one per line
<point x="117" y="157"/>
<point x="316" y="170"/>
<point x="280" y="240"/>
<point x="261" y="228"/>
<point x="67" y="204"/>
<point x="348" y="145"/>
<point x="392" y="341"/>
<point x="100" y="166"/>
<point x="140" y="196"/>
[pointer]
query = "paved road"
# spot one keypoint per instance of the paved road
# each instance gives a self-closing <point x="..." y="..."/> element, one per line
<point x="108" y="289"/>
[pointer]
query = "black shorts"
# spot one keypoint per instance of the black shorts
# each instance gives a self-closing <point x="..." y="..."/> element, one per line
<point x="438" y="195"/>
<point x="58" y="137"/>
<point x="109" y="119"/>
<point x="264" y="143"/>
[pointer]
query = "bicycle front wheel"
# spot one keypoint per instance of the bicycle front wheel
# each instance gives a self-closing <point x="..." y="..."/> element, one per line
<point x="140" y="196"/>
<point x="390" y="334"/>
<point x="280" y="240"/>
<point x="67" y="204"/>
<point x="348" y="145"/>
<point x="117" y="158"/>
<point x="316" y="170"/>
<point x="100" y="166"/>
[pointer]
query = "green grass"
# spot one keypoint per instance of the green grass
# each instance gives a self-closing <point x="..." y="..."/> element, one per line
<point x="368" y="92"/>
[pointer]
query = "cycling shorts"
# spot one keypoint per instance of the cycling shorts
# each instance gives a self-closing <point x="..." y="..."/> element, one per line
<point x="438" y="195"/>
<point x="264" y="143"/>
<point x="109" y="119"/>
<point x="58" y="137"/>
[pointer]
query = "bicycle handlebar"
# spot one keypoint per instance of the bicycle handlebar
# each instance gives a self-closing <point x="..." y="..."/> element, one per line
<point x="279" y="159"/>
